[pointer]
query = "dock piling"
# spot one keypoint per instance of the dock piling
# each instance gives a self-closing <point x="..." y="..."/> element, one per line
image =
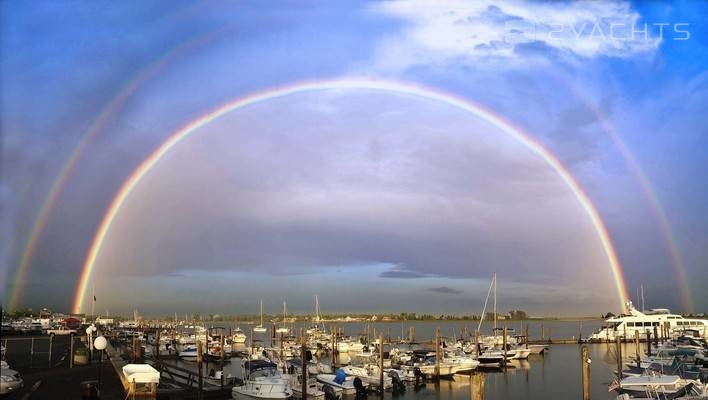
<point x="477" y="386"/>
<point x="200" y="370"/>
<point x="303" y="356"/>
<point x="585" y="359"/>
<point x="618" y="343"/>
<point x="381" y="365"/>
<point x="636" y="348"/>
<point x="437" y="354"/>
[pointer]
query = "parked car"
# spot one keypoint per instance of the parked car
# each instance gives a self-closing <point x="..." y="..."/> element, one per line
<point x="10" y="380"/>
<point x="62" y="330"/>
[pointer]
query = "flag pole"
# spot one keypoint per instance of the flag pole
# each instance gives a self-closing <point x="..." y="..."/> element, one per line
<point x="93" y="301"/>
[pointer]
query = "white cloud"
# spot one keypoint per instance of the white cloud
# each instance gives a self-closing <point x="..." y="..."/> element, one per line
<point x="439" y="33"/>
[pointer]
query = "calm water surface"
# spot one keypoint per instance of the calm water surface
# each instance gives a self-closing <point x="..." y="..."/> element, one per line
<point x="555" y="375"/>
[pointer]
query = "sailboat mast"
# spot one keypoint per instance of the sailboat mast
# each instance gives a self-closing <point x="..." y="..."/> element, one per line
<point x="495" y="303"/>
<point x="261" y="312"/>
<point x="642" y="289"/>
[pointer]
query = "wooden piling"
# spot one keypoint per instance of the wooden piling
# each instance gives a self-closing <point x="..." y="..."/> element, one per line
<point x="157" y="346"/>
<point x="504" y="345"/>
<point x="585" y="359"/>
<point x="477" y="386"/>
<point x="636" y="348"/>
<point x="200" y="370"/>
<point x="580" y="332"/>
<point x="334" y="349"/>
<point x="648" y="343"/>
<point x="526" y="334"/>
<point x="282" y="359"/>
<point x="411" y="334"/>
<point x="656" y="337"/>
<point x="303" y="356"/>
<point x="381" y="365"/>
<point x="437" y="353"/>
<point x="618" y="343"/>
<point x="543" y="335"/>
<point x="477" y="345"/>
<point x="221" y="365"/>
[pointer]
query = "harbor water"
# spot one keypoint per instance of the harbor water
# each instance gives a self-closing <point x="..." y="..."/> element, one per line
<point x="553" y="375"/>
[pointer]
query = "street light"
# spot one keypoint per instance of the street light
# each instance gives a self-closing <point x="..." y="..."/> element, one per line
<point x="100" y="344"/>
<point x="89" y="332"/>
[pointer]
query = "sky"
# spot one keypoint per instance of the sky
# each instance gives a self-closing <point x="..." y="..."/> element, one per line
<point x="375" y="200"/>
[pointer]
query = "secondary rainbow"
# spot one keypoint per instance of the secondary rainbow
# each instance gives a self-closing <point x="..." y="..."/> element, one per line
<point x="126" y="92"/>
<point x="646" y="187"/>
<point x="346" y="84"/>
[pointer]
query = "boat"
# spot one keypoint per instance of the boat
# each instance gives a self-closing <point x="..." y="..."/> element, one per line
<point x="627" y="325"/>
<point x="261" y="380"/>
<point x="214" y="377"/>
<point x="491" y="358"/>
<point x="369" y="374"/>
<point x="340" y="381"/>
<point x="283" y="329"/>
<point x="666" y="386"/>
<point x="188" y="353"/>
<point x="238" y="336"/>
<point x="260" y="328"/>
<point x="294" y="375"/>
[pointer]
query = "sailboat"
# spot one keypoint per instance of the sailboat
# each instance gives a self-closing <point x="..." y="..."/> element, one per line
<point x="283" y="329"/>
<point x="260" y="328"/>
<point x="316" y="330"/>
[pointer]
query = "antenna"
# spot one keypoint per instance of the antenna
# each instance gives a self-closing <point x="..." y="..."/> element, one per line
<point x="642" y="287"/>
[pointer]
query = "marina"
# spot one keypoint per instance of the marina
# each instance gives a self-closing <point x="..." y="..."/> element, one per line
<point x="395" y="200"/>
<point x="414" y="367"/>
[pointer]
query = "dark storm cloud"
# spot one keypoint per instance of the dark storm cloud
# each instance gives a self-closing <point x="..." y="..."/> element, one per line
<point x="403" y="273"/>
<point x="445" y="290"/>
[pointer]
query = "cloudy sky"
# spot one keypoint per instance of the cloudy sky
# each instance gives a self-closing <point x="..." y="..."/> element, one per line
<point x="374" y="200"/>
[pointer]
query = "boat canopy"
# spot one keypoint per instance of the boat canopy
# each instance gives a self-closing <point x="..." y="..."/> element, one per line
<point x="254" y="365"/>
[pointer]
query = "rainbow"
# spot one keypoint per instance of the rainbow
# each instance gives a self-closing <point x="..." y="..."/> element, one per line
<point x="144" y="75"/>
<point x="648" y="191"/>
<point x="345" y="84"/>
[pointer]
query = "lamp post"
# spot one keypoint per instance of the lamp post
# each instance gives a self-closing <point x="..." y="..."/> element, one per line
<point x="100" y="344"/>
<point x="89" y="333"/>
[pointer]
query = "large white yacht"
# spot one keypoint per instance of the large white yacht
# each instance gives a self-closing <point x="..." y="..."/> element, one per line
<point x="626" y="325"/>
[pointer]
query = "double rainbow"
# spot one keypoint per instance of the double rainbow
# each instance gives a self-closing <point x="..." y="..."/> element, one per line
<point x="346" y="84"/>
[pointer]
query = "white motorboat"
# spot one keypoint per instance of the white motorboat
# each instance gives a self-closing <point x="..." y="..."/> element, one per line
<point x="294" y="375"/>
<point x="261" y="380"/>
<point x="340" y="381"/>
<point x="238" y="336"/>
<point x="668" y="386"/>
<point x="188" y="353"/>
<point x="369" y="374"/>
<point x="465" y="362"/>
<point x="521" y="353"/>
<point x="491" y="358"/>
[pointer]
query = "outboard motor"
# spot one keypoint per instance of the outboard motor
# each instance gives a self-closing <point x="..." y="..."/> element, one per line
<point x="329" y="392"/>
<point x="419" y="375"/>
<point x="360" y="389"/>
<point x="398" y="386"/>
